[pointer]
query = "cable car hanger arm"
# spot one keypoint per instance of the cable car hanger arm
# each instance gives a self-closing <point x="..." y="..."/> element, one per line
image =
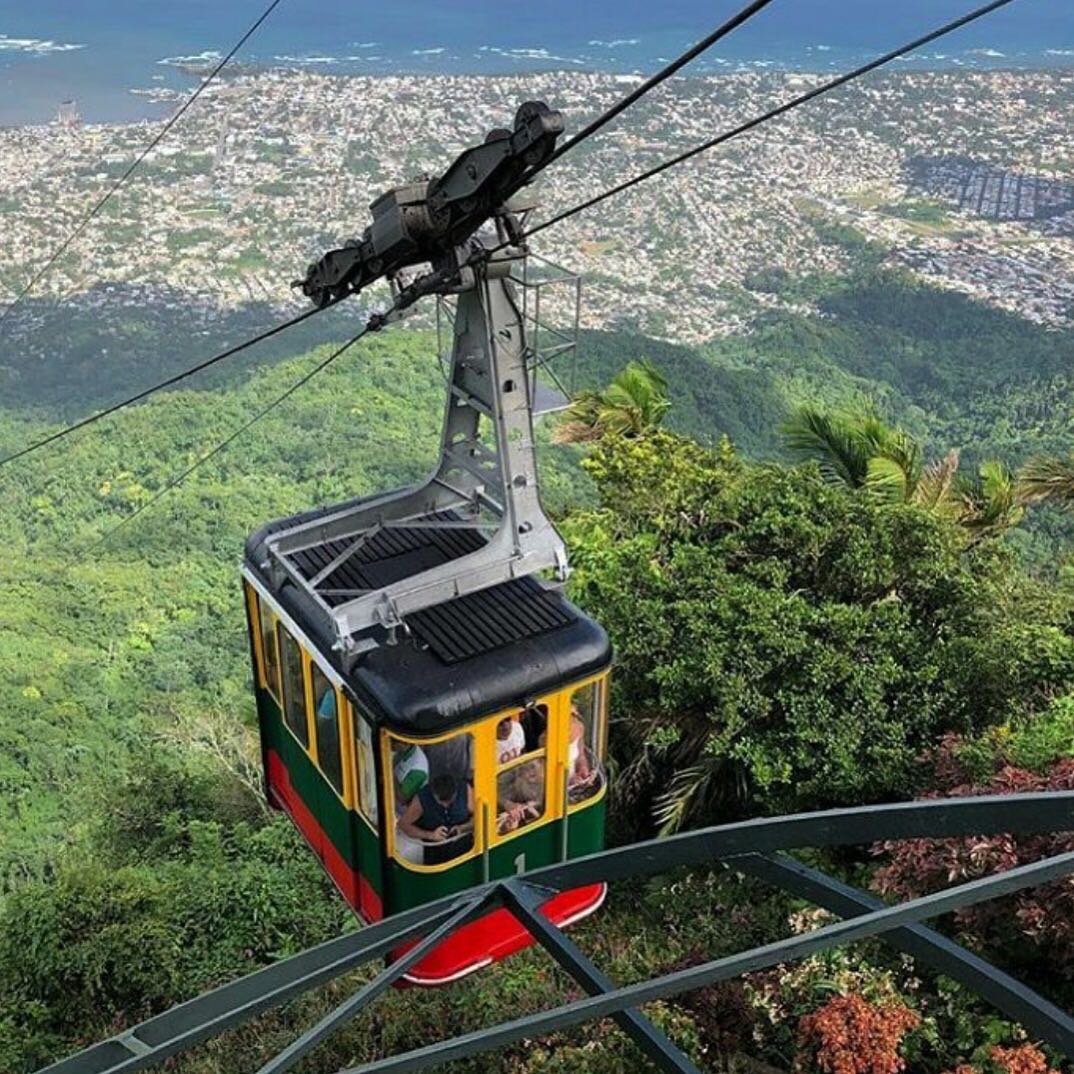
<point x="427" y="220"/>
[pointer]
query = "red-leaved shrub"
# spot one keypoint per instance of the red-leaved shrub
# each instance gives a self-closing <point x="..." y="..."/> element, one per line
<point x="850" y="1035"/>
<point x="1024" y="1059"/>
<point x="1043" y="916"/>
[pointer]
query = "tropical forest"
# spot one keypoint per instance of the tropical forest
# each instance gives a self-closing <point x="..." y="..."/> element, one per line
<point x="537" y="538"/>
<point x="825" y="585"/>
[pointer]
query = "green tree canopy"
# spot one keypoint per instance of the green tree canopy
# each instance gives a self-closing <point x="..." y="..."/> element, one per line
<point x="783" y="636"/>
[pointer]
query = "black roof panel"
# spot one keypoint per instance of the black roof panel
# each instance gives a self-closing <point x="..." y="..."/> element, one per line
<point x="468" y="657"/>
<point x="386" y="557"/>
<point x="480" y="622"/>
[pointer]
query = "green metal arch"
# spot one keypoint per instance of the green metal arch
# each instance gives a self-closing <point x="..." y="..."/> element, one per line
<point x="752" y="846"/>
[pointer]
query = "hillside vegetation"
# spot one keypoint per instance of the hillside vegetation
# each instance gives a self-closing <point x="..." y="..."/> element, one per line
<point x="783" y="643"/>
<point x="952" y="370"/>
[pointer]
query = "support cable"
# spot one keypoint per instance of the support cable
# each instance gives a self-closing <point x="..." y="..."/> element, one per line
<point x="137" y="162"/>
<point x="161" y="385"/>
<point x="818" y="91"/>
<point x="375" y="323"/>
<point x="662" y="75"/>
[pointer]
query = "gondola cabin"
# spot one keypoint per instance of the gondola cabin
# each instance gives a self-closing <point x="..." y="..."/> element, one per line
<point x="433" y="714"/>
<point x="469" y="747"/>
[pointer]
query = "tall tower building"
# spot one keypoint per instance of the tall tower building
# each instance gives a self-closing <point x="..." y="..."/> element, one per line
<point x="67" y="114"/>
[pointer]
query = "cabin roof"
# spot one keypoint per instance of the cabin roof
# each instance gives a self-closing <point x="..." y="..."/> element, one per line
<point x="465" y="658"/>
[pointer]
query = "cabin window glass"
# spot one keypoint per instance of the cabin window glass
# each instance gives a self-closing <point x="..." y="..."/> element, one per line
<point x="367" y="771"/>
<point x="521" y="769"/>
<point x="270" y="660"/>
<point x="433" y="791"/>
<point x="326" y="723"/>
<point x="585" y="742"/>
<point x="294" y="687"/>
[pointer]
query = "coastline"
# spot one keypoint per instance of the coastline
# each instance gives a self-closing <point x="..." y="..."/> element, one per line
<point x="151" y="102"/>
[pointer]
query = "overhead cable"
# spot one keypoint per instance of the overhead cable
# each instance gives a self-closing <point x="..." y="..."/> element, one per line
<point x="818" y="91"/>
<point x="662" y="75"/>
<point x="136" y="163"/>
<point x="373" y="325"/>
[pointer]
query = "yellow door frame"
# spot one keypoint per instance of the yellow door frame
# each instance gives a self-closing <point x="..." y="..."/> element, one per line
<point x="388" y="791"/>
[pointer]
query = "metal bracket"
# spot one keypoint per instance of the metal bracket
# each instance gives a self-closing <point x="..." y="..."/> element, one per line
<point x="524" y="901"/>
<point x="485" y="481"/>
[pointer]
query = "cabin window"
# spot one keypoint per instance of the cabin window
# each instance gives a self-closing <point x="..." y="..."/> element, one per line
<point x="270" y="663"/>
<point x="294" y="687"/>
<point x="367" y="772"/>
<point x="433" y="793"/>
<point x="585" y="742"/>
<point x="521" y="768"/>
<point x="326" y="723"/>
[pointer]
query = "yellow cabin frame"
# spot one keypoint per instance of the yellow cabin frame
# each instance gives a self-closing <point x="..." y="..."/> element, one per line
<point x="487" y="771"/>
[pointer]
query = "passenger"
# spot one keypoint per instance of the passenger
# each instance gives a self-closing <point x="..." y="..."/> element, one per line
<point x="581" y="772"/>
<point x="535" y="725"/>
<point x="510" y="739"/>
<point x="452" y="756"/>
<point x="441" y="811"/>
<point x="326" y="707"/>
<point x="521" y="796"/>
<point x="411" y="770"/>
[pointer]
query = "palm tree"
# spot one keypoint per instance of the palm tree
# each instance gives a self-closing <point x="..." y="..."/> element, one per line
<point x="1047" y="478"/>
<point x="992" y="504"/>
<point x="855" y="447"/>
<point x="634" y="403"/>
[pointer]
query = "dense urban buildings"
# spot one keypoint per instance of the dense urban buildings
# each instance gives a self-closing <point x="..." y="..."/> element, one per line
<point x="961" y="176"/>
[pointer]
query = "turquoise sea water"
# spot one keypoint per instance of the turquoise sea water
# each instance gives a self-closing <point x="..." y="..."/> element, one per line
<point x="98" y="51"/>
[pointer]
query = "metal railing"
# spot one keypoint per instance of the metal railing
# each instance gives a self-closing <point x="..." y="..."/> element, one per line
<point x="756" y="847"/>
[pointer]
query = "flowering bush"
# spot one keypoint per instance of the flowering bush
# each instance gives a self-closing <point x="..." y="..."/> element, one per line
<point x="781" y="997"/>
<point x="850" y="1035"/>
<point x="1025" y="926"/>
<point x="1025" y="1059"/>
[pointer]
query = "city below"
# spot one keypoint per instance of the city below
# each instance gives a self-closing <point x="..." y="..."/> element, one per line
<point x="965" y="178"/>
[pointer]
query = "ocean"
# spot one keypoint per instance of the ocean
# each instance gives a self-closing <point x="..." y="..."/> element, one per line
<point x="105" y="54"/>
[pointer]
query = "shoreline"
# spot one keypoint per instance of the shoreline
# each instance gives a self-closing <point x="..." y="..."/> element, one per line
<point x="155" y="96"/>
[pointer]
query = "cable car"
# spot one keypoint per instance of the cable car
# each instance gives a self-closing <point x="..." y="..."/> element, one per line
<point x="502" y="692"/>
<point x="433" y="710"/>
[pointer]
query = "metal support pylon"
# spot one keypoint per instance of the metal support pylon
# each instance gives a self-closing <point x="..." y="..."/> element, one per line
<point x="485" y="479"/>
<point x="755" y="847"/>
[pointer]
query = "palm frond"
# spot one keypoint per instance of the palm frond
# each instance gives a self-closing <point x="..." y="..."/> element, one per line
<point x="637" y="399"/>
<point x="936" y="487"/>
<point x="815" y="435"/>
<point x="902" y="449"/>
<point x="995" y="503"/>
<point x="674" y="806"/>
<point x="1047" y="477"/>
<point x="581" y="422"/>
<point x="888" y="479"/>
<point x="635" y="402"/>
